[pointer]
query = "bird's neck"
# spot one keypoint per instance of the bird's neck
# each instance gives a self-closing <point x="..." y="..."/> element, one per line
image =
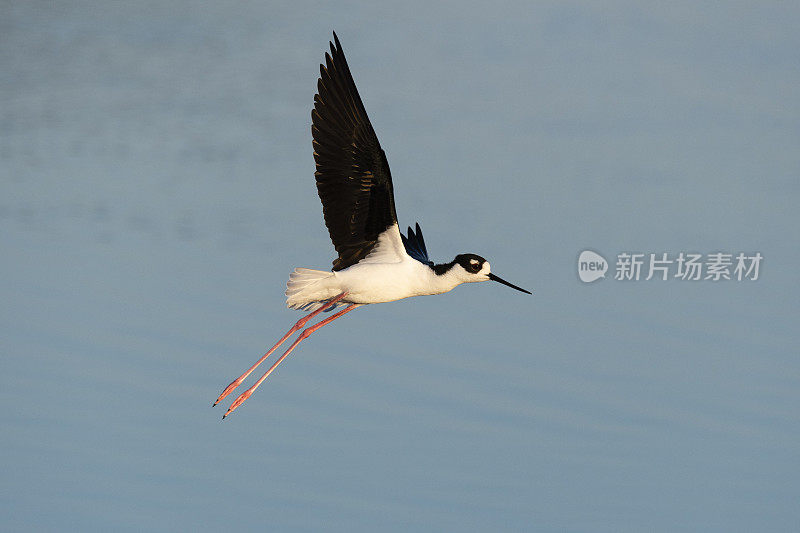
<point x="441" y="278"/>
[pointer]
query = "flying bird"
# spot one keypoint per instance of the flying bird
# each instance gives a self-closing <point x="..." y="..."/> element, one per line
<point x="376" y="263"/>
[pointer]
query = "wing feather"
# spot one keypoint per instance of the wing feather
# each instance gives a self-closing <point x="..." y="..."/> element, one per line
<point x="353" y="178"/>
<point x="414" y="245"/>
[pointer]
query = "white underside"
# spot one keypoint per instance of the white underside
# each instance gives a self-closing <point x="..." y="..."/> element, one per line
<point x="387" y="274"/>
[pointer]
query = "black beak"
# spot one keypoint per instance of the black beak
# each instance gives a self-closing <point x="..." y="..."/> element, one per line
<point x="504" y="282"/>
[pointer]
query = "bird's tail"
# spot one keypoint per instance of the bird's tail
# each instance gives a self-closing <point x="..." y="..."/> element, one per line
<point x="306" y="289"/>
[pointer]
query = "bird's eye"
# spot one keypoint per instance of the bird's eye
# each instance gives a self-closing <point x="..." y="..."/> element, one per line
<point x="476" y="267"/>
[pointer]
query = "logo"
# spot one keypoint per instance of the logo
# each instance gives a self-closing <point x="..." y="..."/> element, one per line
<point x="591" y="266"/>
<point x="663" y="266"/>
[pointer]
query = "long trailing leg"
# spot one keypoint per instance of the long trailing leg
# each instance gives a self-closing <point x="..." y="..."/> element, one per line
<point x="300" y="324"/>
<point x="306" y="332"/>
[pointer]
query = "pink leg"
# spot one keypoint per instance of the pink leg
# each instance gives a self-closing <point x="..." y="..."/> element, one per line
<point x="300" y="323"/>
<point x="306" y="332"/>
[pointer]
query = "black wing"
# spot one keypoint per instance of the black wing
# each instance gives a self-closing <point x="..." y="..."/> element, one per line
<point x="415" y="246"/>
<point x="353" y="178"/>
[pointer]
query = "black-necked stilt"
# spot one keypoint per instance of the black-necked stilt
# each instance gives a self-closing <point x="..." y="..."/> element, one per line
<point x="376" y="262"/>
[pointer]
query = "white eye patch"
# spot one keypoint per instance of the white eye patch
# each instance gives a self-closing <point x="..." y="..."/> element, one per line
<point x="473" y="261"/>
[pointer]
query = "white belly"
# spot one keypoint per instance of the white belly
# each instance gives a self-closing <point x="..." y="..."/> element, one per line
<point x="376" y="283"/>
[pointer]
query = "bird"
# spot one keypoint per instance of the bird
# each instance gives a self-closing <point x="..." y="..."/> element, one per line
<point x="375" y="262"/>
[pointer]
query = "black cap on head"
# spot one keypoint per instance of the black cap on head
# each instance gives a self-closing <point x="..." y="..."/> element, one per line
<point x="470" y="262"/>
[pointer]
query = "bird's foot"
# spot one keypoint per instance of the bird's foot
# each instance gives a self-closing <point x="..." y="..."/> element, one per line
<point x="239" y="401"/>
<point x="235" y="383"/>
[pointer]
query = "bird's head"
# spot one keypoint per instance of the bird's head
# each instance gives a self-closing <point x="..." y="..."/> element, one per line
<point x="470" y="268"/>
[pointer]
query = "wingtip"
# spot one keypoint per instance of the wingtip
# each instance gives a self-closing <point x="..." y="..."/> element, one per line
<point x="336" y="46"/>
